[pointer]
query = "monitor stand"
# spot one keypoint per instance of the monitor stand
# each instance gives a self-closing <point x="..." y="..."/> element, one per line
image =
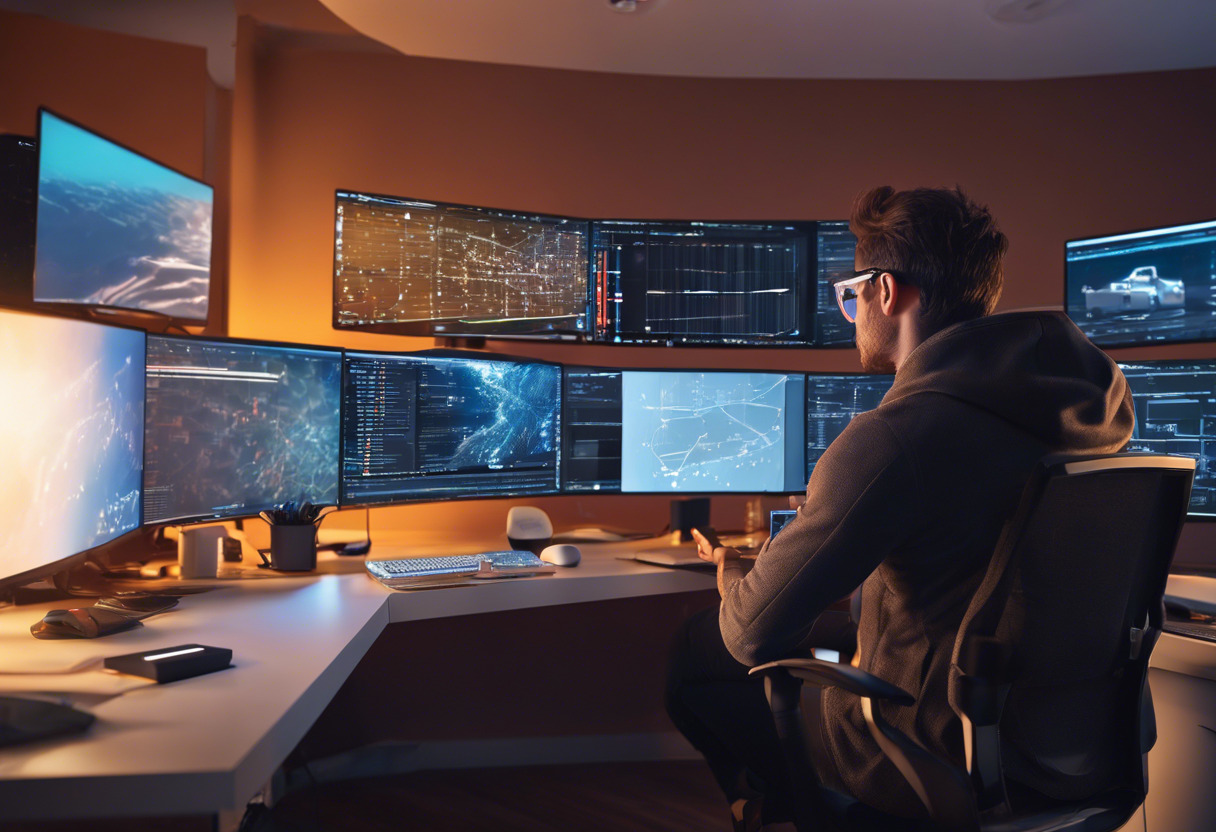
<point x="27" y="720"/>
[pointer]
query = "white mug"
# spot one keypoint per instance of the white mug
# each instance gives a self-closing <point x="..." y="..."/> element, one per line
<point x="199" y="551"/>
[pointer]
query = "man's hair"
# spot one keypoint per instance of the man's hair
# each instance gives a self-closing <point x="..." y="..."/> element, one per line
<point x="937" y="240"/>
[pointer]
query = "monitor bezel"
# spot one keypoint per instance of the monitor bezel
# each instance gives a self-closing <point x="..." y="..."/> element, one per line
<point x="213" y="518"/>
<point x="603" y="338"/>
<point x="68" y="562"/>
<point x="1130" y="344"/>
<point x="681" y="494"/>
<point x="426" y="328"/>
<point x="474" y="355"/>
<point x="84" y="309"/>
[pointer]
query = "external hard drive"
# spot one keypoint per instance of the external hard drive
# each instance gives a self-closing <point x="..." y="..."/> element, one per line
<point x="169" y="664"/>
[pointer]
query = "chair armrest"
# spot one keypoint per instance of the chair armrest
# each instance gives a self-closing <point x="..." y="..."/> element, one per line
<point x="843" y="676"/>
<point x="943" y="789"/>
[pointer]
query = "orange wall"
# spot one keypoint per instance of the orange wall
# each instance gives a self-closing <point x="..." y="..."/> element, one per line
<point x="1054" y="160"/>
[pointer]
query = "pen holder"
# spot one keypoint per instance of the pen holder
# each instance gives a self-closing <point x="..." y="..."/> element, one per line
<point x="293" y="548"/>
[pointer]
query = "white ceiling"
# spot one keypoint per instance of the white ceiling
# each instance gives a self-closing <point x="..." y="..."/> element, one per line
<point x="800" y="38"/>
<point x="925" y="39"/>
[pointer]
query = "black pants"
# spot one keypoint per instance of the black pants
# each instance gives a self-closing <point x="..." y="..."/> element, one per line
<point x="724" y="714"/>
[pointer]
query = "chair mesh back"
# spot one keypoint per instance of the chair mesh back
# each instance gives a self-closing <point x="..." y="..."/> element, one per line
<point x="1083" y="563"/>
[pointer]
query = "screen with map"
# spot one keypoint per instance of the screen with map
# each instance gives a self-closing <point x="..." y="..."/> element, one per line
<point x="414" y="267"/>
<point x="682" y="431"/>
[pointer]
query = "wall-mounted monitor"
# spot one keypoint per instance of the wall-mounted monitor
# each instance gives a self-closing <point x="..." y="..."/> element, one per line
<point x="682" y="431"/>
<point x="428" y="268"/>
<point x="236" y="427"/>
<point x="832" y="400"/>
<point x="72" y="433"/>
<point x="1144" y="287"/>
<point x="116" y="230"/>
<point x="18" y="204"/>
<point x="1175" y="403"/>
<point x="441" y="425"/>
<point x="719" y="283"/>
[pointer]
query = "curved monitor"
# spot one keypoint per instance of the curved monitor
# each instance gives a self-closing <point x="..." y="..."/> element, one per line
<point x="1155" y="286"/>
<point x="1175" y="404"/>
<point x="238" y="427"/>
<point x="72" y="438"/>
<point x="414" y="267"/>
<point x="682" y="431"/>
<point x="116" y="230"/>
<point x="441" y="425"/>
<point x="686" y="283"/>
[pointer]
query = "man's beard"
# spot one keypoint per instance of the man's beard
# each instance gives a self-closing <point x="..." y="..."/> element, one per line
<point x="876" y="343"/>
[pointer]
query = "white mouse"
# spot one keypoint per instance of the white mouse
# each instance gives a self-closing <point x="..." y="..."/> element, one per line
<point x="561" y="554"/>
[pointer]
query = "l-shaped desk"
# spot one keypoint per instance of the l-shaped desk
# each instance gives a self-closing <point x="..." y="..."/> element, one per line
<point x="205" y="746"/>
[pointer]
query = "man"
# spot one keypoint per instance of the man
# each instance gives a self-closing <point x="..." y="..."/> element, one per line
<point x="908" y="502"/>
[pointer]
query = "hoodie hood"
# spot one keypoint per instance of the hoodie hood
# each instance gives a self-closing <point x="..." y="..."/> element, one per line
<point x="1034" y="369"/>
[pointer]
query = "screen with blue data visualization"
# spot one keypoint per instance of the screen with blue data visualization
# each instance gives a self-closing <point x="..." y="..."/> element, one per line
<point x="116" y="229"/>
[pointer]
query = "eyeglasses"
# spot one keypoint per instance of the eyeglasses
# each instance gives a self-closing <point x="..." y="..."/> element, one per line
<point x="847" y="288"/>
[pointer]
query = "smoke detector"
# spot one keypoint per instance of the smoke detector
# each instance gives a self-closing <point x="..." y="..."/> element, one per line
<point x="1022" y="11"/>
<point x="629" y="6"/>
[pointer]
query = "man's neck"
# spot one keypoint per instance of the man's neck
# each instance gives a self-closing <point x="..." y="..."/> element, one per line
<point x="911" y="334"/>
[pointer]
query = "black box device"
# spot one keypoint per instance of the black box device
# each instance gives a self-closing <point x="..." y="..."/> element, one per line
<point x="169" y="664"/>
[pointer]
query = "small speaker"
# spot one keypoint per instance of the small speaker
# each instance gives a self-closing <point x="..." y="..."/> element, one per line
<point x="529" y="528"/>
<point x="688" y="514"/>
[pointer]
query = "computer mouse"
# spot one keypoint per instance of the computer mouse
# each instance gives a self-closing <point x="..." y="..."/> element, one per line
<point x="82" y="623"/>
<point x="561" y="554"/>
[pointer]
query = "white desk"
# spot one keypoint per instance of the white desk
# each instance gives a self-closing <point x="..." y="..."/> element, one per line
<point x="207" y="745"/>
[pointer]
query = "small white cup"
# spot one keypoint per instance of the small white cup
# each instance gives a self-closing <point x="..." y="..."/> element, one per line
<point x="199" y="551"/>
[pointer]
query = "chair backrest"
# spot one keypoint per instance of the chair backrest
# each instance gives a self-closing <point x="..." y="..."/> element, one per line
<point x="1075" y="591"/>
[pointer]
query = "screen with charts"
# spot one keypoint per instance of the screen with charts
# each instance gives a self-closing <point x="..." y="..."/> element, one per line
<point x="234" y="428"/>
<point x="436" y="426"/>
<point x="1144" y="287"/>
<point x="414" y="267"/>
<point x="682" y="431"/>
<point x="117" y="230"/>
<point x="832" y="400"/>
<point x="749" y="283"/>
<point x="72" y="434"/>
<point x="1175" y="405"/>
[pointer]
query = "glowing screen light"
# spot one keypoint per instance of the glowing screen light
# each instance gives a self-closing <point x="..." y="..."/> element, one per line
<point x="71" y="437"/>
<point x="118" y="230"/>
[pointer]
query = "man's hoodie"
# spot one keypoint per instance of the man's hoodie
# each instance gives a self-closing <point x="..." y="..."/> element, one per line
<point x="911" y="499"/>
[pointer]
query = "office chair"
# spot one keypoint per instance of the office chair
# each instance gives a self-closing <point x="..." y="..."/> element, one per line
<point x="1049" y="667"/>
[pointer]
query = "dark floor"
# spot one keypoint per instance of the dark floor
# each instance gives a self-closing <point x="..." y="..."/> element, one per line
<point x="608" y="797"/>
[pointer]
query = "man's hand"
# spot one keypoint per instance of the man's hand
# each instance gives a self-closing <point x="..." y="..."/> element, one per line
<point x="710" y="549"/>
<point x="797" y="501"/>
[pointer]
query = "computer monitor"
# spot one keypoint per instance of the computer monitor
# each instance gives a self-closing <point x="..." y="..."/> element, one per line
<point x="719" y="283"/>
<point x="1144" y="287"/>
<point x="18" y="204"/>
<point x="682" y="431"/>
<point x="237" y="427"/>
<point x="72" y="431"/>
<point x="1175" y="403"/>
<point x="430" y="268"/>
<point x="442" y="425"/>
<point x="116" y="230"/>
<point x="832" y="400"/>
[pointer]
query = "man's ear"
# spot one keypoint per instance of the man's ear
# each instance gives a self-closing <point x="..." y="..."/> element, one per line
<point x="895" y="298"/>
<point x="888" y="294"/>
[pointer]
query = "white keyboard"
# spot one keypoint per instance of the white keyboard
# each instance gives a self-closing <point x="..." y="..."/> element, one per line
<point x="449" y="570"/>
